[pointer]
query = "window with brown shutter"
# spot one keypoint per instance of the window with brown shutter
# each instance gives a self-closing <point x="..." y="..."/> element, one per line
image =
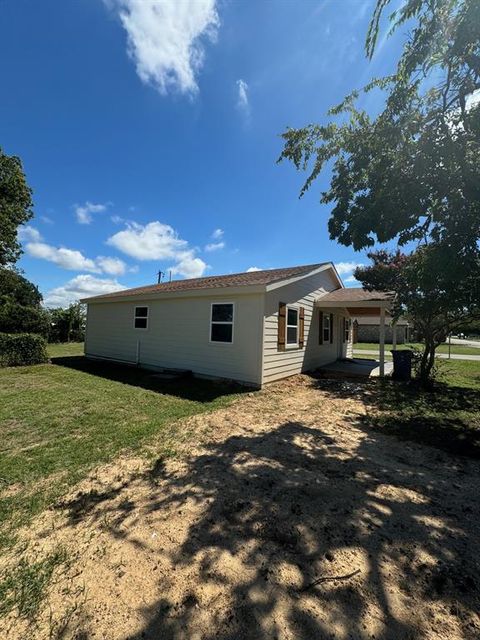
<point x="282" y="319"/>
<point x="320" y="327"/>
<point x="301" y="328"/>
<point x="331" y="328"/>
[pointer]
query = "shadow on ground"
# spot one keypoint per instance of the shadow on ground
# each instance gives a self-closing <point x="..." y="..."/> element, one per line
<point x="186" y="387"/>
<point x="447" y="418"/>
<point x="307" y="533"/>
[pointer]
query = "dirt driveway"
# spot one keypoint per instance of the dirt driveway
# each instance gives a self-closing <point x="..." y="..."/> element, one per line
<point x="284" y="518"/>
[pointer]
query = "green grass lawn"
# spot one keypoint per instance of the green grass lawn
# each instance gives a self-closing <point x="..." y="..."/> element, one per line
<point x="65" y="349"/>
<point x="447" y="418"/>
<point x="59" y="420"/>
<point x="443" y="348"/>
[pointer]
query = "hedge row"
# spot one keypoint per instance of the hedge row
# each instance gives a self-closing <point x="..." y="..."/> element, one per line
<point x="22" y="348"/>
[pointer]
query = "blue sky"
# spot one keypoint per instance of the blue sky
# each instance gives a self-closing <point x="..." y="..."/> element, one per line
<point x="149" y="133"/>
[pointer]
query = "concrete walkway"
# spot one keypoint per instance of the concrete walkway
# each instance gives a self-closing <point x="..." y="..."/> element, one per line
<point x="454" y="356"/>
<point x="356" y="368"/>
<point x="466" y="343"/>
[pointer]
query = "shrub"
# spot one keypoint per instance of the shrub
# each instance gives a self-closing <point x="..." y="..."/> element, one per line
<point x="22" y="349"/>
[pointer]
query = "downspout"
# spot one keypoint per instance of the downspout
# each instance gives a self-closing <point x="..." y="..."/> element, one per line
<point x="137" y="361"/>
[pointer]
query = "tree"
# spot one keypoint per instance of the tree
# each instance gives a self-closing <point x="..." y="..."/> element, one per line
<point x="15" y="206"/>
<point x="67" y="324"/>
<point x="17" y="288"/>
<point x="426" y="288"/>
<point x="412" y="172"/>
<point x="20" y="305"/>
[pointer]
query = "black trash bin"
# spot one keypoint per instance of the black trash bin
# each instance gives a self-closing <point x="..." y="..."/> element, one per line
<point x="402" y="364"/>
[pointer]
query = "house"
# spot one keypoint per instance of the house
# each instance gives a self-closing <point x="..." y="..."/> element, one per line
<point x="367" y="329"/>
<point x="252" y="327"/>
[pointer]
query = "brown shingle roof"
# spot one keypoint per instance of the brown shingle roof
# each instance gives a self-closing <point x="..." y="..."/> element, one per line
<point x="356" y="294"/>
<point x="265" y="277"/>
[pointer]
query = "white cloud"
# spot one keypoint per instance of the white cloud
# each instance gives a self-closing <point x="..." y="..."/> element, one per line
<point x="27" y="233"/>
<point x="84" y="212"/>
<point x="188" y="265"/>
<point x="217" y="234"/>
<point x="117" y="219"/>
<point x="351" y="280"/>
<point x="243" y="103"/>
<point x="81" y="286"/>
<point x="65" y="258"/>
<point x="74" y="260"/>
<point x="165" y="39"/>
<point x="472" y="99"/>
<point x="344" y="268"/>
<point x="158" y="241"/>
<point x="46" y="220"/>
<point x="153" y="241"/>
<point x="214" y="246"/>
<point x="251" y="269"/>
<point x="112" y="266"/>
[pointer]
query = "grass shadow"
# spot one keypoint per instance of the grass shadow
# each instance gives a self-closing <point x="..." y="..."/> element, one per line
<point x="186" y="387"/>
<point x="447" y="417"/>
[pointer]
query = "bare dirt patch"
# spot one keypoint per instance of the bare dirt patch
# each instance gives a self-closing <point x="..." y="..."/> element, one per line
<point x="284" y="517"/>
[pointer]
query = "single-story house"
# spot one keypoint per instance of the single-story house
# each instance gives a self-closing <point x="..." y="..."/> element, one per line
<point x="252" y="327"/>
<point x="367" y="329"/>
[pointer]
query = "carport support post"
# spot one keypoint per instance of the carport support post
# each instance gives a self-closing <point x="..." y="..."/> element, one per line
<point x="382" y="342"/>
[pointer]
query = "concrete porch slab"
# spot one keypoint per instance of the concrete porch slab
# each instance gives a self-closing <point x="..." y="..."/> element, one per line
<point x="356" y="368"/>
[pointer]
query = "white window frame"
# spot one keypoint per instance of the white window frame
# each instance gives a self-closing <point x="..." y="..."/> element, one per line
<point x="220" y="342"/>
<point x="141" y="306"/>
<point x="326" y="316"/>
<point x="346" y="330"/>
<point x="292" y="345"/>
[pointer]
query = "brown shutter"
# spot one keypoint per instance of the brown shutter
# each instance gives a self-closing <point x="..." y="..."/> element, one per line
<point x="344" y="329"/>
<point x="301" y="327"/>
<point x="320" y="327"/>
<point x="331" y="328"/>
<point x="282" y="322"/>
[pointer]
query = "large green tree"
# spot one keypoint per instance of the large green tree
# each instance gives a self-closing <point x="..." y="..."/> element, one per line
<point x="20" y="305"/>
<point x="413" y="171"/>
<point x="427" y="288"/>
<point x="15" y="206"/>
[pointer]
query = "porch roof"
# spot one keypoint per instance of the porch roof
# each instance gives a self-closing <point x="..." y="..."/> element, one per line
<point x="358" y="301"/>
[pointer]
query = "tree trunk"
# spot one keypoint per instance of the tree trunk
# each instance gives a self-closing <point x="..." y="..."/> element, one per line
<point x="426" y="363"/>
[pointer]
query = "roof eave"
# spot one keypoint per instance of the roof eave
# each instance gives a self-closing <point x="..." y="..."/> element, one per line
<point x="187" y="293"/>
<point x="286" y="281"/>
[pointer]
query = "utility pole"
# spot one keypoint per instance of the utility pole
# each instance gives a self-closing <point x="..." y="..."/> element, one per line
<point x="160" y="275"/>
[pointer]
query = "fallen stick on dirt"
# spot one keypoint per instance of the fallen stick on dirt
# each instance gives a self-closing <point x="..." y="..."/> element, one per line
<point x="329" y="579"/>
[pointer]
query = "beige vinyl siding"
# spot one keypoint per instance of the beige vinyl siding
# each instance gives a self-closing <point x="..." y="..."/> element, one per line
<point x="178" y="336"/>
<point x="303" y="293"/>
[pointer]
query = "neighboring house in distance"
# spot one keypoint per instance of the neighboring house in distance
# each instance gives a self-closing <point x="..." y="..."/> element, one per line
<point x="367" y="329"/>
<point x="251" y="327"/>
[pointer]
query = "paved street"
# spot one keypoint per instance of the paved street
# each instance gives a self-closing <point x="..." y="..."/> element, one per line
<point x="371" y="352"/>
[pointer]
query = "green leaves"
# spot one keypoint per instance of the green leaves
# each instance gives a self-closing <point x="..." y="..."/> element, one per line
<point x="413" y="172"/>
<point x="15" y="206"/>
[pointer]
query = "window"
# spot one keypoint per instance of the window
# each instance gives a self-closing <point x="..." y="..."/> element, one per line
<point x="292" y="326"/>
<point x="346" y="326"/>
<point x="141" y="318"/>
<point x="221" y="326"/>
<point x="326" y="327"/>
